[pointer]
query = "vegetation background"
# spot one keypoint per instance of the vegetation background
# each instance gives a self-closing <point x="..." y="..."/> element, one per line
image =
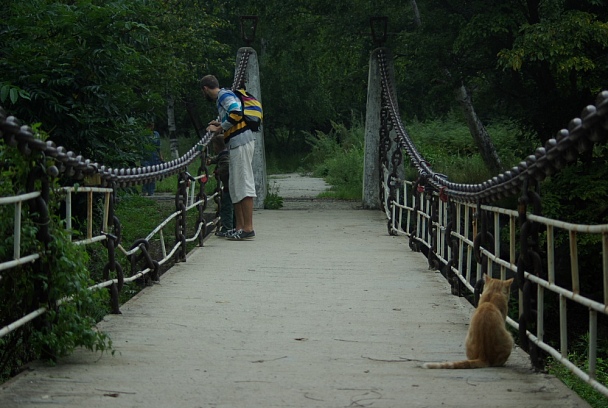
<point x="93" y="73"/>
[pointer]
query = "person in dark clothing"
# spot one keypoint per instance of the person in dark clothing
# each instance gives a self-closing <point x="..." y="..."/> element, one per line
<point x="222" y="175"/>
<point x="154" y="157"/>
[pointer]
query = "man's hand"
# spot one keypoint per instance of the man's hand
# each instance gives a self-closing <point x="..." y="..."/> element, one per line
<point x="214" y="126"/>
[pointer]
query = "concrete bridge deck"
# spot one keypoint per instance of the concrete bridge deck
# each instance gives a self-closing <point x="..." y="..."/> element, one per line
<point x="322" y="309"/>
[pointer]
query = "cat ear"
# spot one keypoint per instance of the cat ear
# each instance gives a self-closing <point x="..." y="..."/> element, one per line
<point x="507" y="285"/>
<point x="486" y="278"/>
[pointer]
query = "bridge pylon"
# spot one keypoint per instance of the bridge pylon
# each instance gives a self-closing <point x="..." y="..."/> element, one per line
<point x="374" y="126"/>
<point x="252" y="84"/>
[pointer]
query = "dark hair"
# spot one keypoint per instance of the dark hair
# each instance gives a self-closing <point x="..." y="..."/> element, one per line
<point x="218" y="143"/>
<point x="210" y="81"/>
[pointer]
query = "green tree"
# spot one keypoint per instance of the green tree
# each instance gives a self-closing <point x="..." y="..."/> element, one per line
<point x="313" y="59"/>
<point x="558" y="61"/>
<point x="538" y="62"/>
<point x="95" y="72"/>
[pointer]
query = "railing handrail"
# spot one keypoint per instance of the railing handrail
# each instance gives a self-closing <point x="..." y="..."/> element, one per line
<point x="461" y="232"/>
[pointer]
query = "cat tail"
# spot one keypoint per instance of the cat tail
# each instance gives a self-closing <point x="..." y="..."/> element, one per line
<point x="457" y="364"/>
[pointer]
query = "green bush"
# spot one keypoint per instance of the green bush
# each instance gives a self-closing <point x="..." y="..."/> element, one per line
<point x="60" y="274"/>
<point x="337" y="157"/>
<point x="273" y="201"/>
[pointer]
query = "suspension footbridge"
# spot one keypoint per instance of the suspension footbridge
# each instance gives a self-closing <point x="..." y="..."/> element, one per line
<point x="332" y="304"/>
<point x="323" y="309"/>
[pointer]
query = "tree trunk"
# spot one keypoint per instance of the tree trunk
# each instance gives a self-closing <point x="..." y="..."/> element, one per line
<point x="171" y="125"/>
<point x="477" y="129"/>
<point x="479" y="132"/>
<point x="417" y="19"/>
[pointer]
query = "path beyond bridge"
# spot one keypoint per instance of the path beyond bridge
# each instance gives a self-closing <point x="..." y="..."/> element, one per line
<point x="322" y="309"/>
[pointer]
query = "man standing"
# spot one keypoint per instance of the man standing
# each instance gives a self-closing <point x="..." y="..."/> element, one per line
<point x="241" y="141"/>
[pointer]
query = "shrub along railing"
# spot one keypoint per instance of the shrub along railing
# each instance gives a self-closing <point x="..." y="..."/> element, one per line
<point x="463" y="235"/>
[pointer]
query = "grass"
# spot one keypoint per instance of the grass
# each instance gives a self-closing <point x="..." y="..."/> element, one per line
<point x="138" y="217"/>
<point x="337" y="156"/>
<point x="584" y="390"/>
<point x="273" y="201"/>
<point x="169" y="184"/>
<point x="285" y="163"/>
<point x="449" y="148"/>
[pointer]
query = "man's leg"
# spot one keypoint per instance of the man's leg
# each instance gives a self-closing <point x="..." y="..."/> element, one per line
<point x="242" y="184"/>
<point x="226" y="211"/>
<point x="246" y="205"/>
<point x="238" y="213"/>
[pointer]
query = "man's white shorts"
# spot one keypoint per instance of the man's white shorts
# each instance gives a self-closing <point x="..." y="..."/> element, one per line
<point x="242" y="182"/>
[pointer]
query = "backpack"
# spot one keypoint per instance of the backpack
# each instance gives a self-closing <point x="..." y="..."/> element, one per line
<point x="252" y="109"/>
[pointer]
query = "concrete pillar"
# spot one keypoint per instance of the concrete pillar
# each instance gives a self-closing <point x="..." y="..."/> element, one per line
<point x="371" y="158"/>
<point x="371" y="167"/>
<point x="252" y="83"/>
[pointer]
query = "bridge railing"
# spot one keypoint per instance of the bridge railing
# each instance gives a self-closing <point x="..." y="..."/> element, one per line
<point x="100" y="180"/>
<point x="104" y="228"/>
<point x="464" y="236"/>
<point x="463" y="256"/>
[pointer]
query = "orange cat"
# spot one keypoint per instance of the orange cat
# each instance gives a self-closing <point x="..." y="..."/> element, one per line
<point x="488" y="342"/>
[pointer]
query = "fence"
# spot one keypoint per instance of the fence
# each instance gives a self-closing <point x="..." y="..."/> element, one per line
<point x="33" y="205"/>
<point x="464" y="236"/>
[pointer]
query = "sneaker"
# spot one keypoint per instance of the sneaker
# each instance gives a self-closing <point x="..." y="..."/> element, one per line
<point x="224" y="234"/>
<point x="241" y="235"/>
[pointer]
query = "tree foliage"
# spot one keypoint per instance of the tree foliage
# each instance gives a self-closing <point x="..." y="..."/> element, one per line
<point x="313" y="58"/>
<point x="538" y="62"/>
<point x="95" y="72"/>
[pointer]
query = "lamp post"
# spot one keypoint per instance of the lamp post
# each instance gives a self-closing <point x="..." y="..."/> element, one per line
<point x="248" y="26"/>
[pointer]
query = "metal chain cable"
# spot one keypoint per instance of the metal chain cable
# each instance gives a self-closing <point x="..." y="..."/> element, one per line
<point x="384" y="148"/>
<point x="581" y="136"/>
<point x="181" y="198"/>
<point x="113" y="239"/>
<point x="239" y="76"/>
<point x="432" y="258"/>
<point x="203" y="174"/>
<point x="582" y="133"/>
<point x="143" y="254"/>
<point x="529" y="260"/>
<point x="452" y="244"/>
<point x="75" y="166"/>
<point x="43" y="283"/>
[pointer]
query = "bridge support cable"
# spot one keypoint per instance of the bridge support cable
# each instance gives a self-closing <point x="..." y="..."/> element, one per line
<point x="463" y="236"/>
